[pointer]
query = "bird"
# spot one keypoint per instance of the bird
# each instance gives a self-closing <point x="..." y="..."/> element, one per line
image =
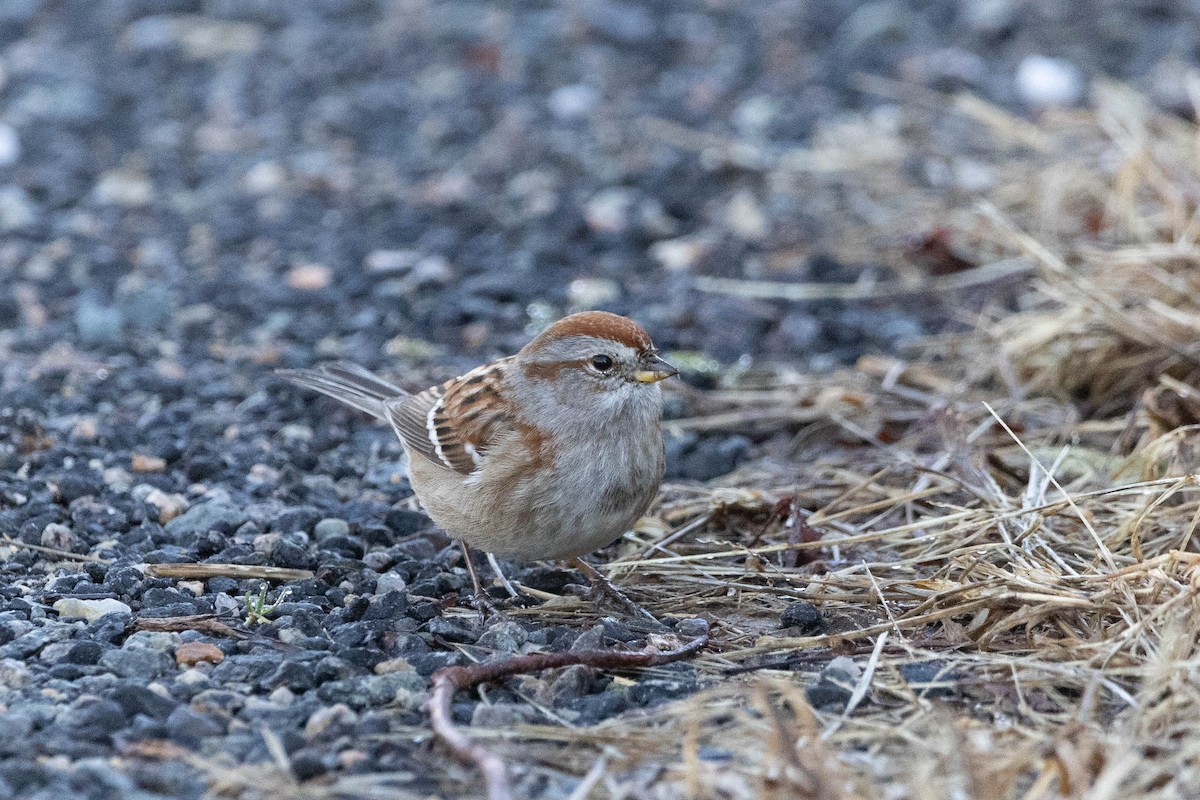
<point x="548" y="454"/>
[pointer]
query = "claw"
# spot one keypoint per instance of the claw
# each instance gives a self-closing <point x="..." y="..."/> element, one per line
<point x="602" y="587"/>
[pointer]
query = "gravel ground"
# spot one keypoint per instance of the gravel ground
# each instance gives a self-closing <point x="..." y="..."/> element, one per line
<point x="194" y="193"/>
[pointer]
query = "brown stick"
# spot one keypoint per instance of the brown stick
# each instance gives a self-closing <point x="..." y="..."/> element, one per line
<point x="205" y="623"/>
<point x="53" y="551"/>
<point x="449" y="679"/>
<point x="240" y="571"/>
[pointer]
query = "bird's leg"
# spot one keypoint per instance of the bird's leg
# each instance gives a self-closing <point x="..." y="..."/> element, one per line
<point x="508" y="587"/>
<point x="602" y="586"/>
<point x="470" y="562"/>
<point x="480" y="599"/>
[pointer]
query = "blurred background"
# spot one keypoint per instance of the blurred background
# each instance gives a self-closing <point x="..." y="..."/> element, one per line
<point x="273" y="183"/>
<point x="194" y="193"/>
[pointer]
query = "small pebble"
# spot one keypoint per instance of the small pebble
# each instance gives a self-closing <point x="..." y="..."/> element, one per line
<point x="169" y="506"/>
<point x="1043" y="81"/>
<point x="57" y="537"/>
<point x="390" y="262"/>
<point x="804" y="616"/>
<point x="124" y="188"/>
<point x="609" y="210"/>
<point x="589" y="293"/>
<point x="91" y="610"/>
<point x="17" y="210"/>
<point x="572" y="102"/>
<point x="10" y="146"/>
<point x="502" y="716"/>
<point x="85" y="429"/>
<point x="390" y="582"/>
<point x="692" y="628"/>
<point x="330" y="527"/>
<point x="680" y="254"/>
<point x="505" y="637"/>
<point x="265" y="177"/>
<point x="392" y="665"/>
<point x="192" y="677"/>
<point x="193" y="653"/>
<point x="283" y="696"/>
<point x="95" y="320"/>
<point x="323" y="718"/>
<point x="835" y="685"/>
<point x="145" y="463"/>
<point x="754" y="115"/>
<point x="14" y="674"/>
<point x="746" y="218"/>
<point x="309" y="277"/>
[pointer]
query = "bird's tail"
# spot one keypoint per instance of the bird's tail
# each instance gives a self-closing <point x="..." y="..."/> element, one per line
<point x="349" y="383"/>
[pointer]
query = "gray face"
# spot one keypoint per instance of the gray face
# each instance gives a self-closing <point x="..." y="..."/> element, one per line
<point x="605" y="364"/>
<point x="596" y="376"/>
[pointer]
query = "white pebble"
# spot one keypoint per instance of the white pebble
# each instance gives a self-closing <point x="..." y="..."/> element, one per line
<point x="125" y="188"/>
<point x="1043" y="81"/>
<point x="10" y="146"/>
<point x="608" y="210"/>
<point x="746" y="218"/>
<point x="265" y="177"/>
<point x="391" y="261"/>
<point x="680" y="254"/>
<point x="589" y="293"/>
<point x="573" y="102"/>
<point x="89" y="609"/>
<point x="390" y="582"/>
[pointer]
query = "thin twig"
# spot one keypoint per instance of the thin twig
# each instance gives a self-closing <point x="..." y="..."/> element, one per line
<point x="204" y="623"/>
<point x="54" y="551"/>
<point x="1103" y="549"/>
<point x="447" y="680"/>
<point x="779" y="290"/>
<point x="239" y="571"/>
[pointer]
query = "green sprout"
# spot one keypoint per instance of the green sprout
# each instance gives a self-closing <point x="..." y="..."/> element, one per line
<point x="257" y="607"/>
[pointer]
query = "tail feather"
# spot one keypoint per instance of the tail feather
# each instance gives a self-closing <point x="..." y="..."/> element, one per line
<point x="349" y="383"/>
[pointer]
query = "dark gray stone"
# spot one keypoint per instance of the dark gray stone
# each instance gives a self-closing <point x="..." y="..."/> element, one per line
<point x="204" y="517"/>
<point x="190" y="728"/>
<point x="370" y="690"/>
<point x="804" y="617"/>
<point x="92" y="719"/>
<point x="137" y="663"/>
<point x="135" y="698"/>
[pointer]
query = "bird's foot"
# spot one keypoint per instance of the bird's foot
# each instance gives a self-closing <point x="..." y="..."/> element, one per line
<point x="602" y="589"/>
<point x="485" y="605"/>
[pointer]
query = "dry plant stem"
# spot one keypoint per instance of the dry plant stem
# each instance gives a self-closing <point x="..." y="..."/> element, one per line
<point x="801" y="292"/>
<point x="447" y="680"/>
<point x="53" y="551"/>
<point x="205" y="623"/>
<point x="240" y="571"/>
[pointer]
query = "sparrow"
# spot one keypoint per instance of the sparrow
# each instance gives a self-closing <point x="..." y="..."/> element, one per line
<point x="548" y="454"/>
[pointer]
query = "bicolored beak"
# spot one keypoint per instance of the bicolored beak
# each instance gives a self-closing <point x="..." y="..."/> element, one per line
<point x="653" y="369"/>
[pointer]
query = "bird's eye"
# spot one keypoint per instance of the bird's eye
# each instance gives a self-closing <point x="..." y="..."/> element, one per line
<point x="602" y="363"/>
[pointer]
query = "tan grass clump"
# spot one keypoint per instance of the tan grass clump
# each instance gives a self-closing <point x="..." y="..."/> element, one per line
<point x="1000" y="530"/>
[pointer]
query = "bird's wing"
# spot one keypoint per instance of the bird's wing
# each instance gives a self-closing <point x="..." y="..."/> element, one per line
<point x="349" y="383"/>
<point x="455" y="423"/>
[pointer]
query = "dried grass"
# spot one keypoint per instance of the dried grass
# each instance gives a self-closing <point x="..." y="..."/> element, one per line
<point x="1042" y="555"/>
<point x="1016" y="505"/>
